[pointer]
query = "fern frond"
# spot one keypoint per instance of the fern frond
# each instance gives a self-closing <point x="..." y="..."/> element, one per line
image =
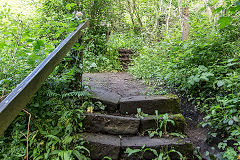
<point x="76" y="94"/>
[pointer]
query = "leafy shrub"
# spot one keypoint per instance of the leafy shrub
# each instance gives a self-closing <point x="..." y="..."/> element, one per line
<point x="57" y="112"/>
<point x="207" y="68"/>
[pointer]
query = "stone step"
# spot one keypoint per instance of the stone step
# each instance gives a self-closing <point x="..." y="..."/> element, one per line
<point x="125" y="51"/>
<point x="119" y="125"/>
<point x="95" y="122"/>
<point x="101" y="145"/>
<point x="178" y="126"/>
<point x="159" y="144"/>
<point x="129" y="105"/>
<point x="124" y="55"/>
<point x="126" y="59"/>
<point x="149" y="104"/>
<point x="109" y="99"/>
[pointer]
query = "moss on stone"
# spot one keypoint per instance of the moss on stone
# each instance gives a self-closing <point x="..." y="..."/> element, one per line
<point x="171" y="96"/>
<point x="177" y="117"/>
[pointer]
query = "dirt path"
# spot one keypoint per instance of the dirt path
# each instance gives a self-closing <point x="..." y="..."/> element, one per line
<point x="121" y="83"/>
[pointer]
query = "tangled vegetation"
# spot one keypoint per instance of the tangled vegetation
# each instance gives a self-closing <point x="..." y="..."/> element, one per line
<point x="205" y="66"/>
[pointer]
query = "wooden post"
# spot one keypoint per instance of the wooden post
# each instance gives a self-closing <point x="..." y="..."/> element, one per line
<point x="185" y="16"/>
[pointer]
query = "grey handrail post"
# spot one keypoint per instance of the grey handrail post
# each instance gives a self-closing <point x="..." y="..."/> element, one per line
<point x="21" y="95"/>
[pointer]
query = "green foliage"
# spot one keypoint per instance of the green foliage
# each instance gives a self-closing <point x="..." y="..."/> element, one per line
<point x="56" y="109"/>
<point x="26" y="42"/>
<point x="109" y="60"/>
<point x="207" y="68"/>
<point x="141" y="114"/>
<point x="101" y="62"/>
<point x="230" y="10"/>
<point x="163" y="154"/>
<point x="18" y="46"/>
<point x="57" y="113"/>
<point x="162" y="120"/>
<point x="127" y="40"/>
<point x="140" y="152"/>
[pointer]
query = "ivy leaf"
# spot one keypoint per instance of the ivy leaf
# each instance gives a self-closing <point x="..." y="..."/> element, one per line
<point x="132" y="151"/>
<point x="235" y="118"/>
<point x="2" y="44"/>
<point x="218" y="10"/>
<point x="232" y="9"/>
<point x="224" y="21"/>
<point x="196" y="78"/>
<point x="220" y="83"/>
<point x="230" y="122"/>
<point x="68" y="6"/>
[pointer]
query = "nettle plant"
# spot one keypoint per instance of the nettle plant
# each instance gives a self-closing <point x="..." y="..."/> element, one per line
<point x="163" y="154"/>
<point x="161" y="125"/>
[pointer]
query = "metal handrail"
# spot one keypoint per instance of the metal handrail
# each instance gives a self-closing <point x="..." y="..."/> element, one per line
<point x="21" y="95"/>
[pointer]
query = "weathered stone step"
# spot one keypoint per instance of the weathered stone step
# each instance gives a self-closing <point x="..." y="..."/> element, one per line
<point x="182" y="145"/>
<point x="95" y="122"/>
<point x="149" y="104"/>
<point x="118" y="125"/>
<point x="129" y="105"/>
<point x="125" y="51"/>
<point x="114" y="146"/>
<point x="126" y="59"/>
<point x="124" y="55"/>
<point x="178" y="126"/>
<point x="101" y="145"/>
<point x="110" y="99"/>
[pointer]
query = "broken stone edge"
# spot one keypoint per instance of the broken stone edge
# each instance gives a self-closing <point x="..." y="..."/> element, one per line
<point x="129" y="105"/>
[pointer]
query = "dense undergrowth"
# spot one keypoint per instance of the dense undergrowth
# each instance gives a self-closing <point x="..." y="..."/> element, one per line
<point x="57" y="109"/>
<point x="26" y="41"/>
<point x="205" y="67"/>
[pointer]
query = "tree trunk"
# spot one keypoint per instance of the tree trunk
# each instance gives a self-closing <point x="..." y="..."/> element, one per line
<point x="158" y="10"/>
<point x="208" y="10"/>
<point x="180" y="13"/>
<point x="169" y="14"/>
<point x="185" y="33"/>
<point x="137" y="14"/>
<point x="130" y="12"/>
<point x="157" y="16"/>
